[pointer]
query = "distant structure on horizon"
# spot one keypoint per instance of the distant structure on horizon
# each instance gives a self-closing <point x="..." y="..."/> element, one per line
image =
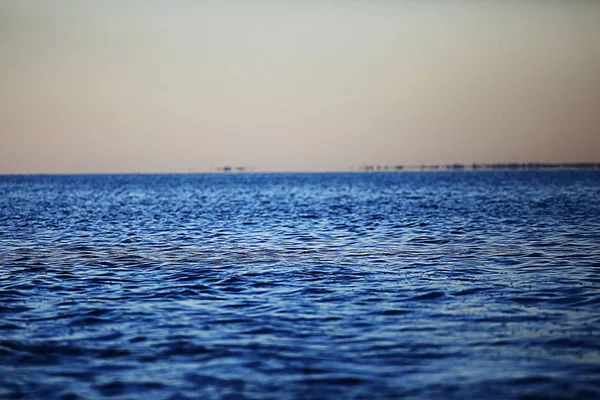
<point x="228" y="168"/>
<point x="372" y="168"/>
<point x="481" y="167"/>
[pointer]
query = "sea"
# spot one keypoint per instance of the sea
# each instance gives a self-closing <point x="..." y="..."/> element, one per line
<point x="390" y="285"/>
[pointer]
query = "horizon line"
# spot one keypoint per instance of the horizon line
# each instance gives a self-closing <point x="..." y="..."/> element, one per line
<point x="364" y="168"/>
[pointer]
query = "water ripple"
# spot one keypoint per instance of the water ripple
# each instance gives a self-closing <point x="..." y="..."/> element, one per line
<point x="416" y="285"/>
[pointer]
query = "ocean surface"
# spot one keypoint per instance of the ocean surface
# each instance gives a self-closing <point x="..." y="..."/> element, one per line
<point x="441" y="285"/>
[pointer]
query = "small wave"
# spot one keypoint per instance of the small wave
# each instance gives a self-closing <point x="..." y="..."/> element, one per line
<point x="428" y="296"/>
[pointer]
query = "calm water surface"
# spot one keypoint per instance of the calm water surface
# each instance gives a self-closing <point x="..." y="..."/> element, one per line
<point x="384" y="285"/>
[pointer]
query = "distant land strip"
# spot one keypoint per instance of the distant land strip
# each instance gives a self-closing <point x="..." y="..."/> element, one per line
<point x="482" y="166"/>
<point x="455" y="167"/>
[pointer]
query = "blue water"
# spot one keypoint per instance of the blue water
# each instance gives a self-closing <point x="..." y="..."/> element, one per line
<point x="383" y="285"/>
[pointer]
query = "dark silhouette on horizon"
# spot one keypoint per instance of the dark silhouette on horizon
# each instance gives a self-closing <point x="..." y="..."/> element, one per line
<point x="483" y="167"/>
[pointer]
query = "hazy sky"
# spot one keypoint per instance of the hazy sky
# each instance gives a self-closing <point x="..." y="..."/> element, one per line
<point x="167" y="86"/>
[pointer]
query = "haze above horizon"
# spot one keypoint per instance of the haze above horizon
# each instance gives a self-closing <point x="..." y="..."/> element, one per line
<point x="156" y="86"/>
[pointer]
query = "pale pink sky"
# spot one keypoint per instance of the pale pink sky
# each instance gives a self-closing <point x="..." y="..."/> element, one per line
<point x="161" y="86"/>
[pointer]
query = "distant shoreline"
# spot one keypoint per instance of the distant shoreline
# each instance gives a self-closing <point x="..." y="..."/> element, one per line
<point x="475" y="167"/>
<point x="531" y="166"/>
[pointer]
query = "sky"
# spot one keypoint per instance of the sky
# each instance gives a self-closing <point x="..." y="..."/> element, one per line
<point x="189" y="86"/>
